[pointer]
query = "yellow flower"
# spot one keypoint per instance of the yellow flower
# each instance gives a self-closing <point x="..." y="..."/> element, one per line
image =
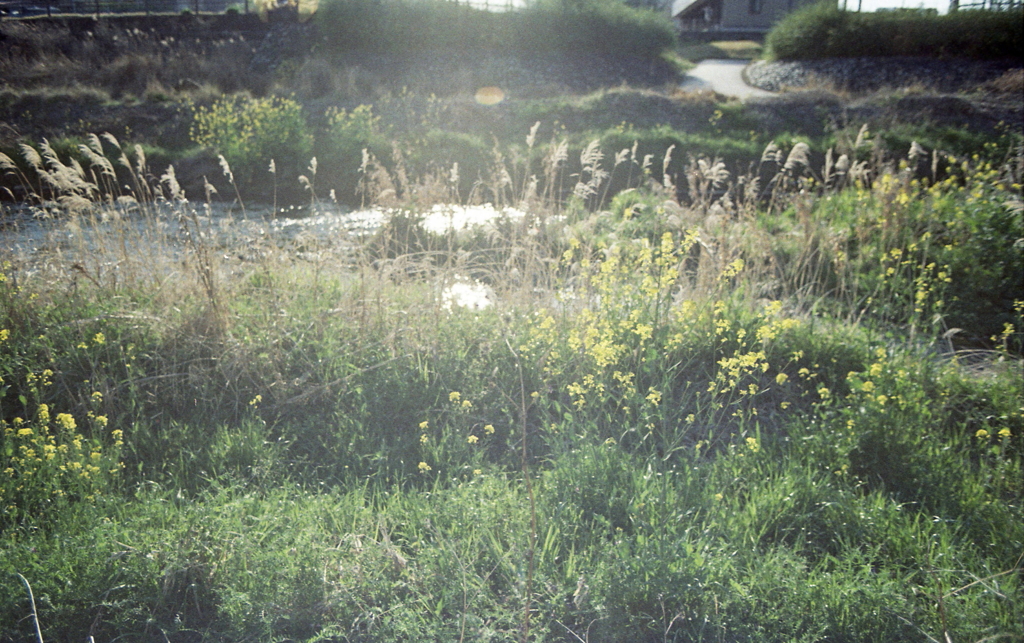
<point x="424" y="438"/>
<point x="4" y="334"/>
<point x="654" y="397"/>
<point x="66" y="420"/>
<point x="472" y="439"/>
<point x="98" y="397"/>
<point x="882" y="399"/>
<point x="256" y="400"/>
<point x="466" y="404"/>
<point x="44" y="413"/>
<point x="24" y="432"/>
<point x="610" y="442"/>
<point x="454" y="396"/>
<point x="981" y="434"/>
<point x="753" y="445"/>
<point x="824" y="393"/>
<point x="424" y="425"/>
<point x="1004" y="433"/>
<point x="535" y="395"/>
<point x="781" y="378"/>
<point x="867" y="386"/>
<point x="784" y="405"/>
<point x="99" y="339"/>
<point x="423" y="466"/>
<point x="489" y="429"/>
<point x="719" y="496"/>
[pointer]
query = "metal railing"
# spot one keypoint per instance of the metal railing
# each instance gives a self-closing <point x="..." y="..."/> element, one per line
<point x="30" y="8"/>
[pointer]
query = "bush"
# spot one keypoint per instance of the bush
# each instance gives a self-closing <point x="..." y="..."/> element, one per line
<point x="250" y="133"/>
<point x="592" y="27"/>
<point x="396" y="27"/>
<point x="340" y="149"/>
<point x="824" y="31"/>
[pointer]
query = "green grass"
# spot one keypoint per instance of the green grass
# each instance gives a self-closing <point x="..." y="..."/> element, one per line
<point x="728" y="419"/>
<point x="734" y="49"/>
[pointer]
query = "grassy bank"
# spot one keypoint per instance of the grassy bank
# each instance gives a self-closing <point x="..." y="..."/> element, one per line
<point x="736" y="418"/>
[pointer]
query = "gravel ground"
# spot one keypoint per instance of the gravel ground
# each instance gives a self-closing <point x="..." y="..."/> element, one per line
<point x="869" y="74"/>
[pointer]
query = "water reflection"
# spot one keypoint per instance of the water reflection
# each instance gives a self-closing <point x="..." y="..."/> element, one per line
<point x="467" y="294"/>
<point x="35" y="231"/>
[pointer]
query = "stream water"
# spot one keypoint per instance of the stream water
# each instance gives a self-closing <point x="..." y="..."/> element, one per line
<point x="104" y="235"/>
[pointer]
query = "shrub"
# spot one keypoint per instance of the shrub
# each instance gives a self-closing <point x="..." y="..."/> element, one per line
<point x="340" y="149"/>
<point x="250" y="133"/>
<point x="593" y="26"/>
<point x="824" y="31"/>
<point x="396" y="27"/>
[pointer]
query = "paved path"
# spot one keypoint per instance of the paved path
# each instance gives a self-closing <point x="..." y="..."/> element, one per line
<point x="722" y="76"/>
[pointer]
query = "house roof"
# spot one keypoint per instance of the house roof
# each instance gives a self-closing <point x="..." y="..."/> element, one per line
<point x="680" y="7"/>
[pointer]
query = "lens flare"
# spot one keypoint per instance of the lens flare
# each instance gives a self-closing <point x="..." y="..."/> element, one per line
<point x="489" y="95"/>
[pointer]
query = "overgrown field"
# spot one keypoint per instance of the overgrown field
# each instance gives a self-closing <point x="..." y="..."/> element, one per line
<point x="718" y="371"/>
<point x="788" y="408"/>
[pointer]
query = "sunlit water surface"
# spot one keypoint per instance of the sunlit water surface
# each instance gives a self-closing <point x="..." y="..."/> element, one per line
<point x="36" y="235"/>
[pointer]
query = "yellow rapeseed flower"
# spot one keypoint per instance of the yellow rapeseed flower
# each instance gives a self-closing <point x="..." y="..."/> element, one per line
<point x="981" y="434"/>
<point x="424" y="425"/>
<point x="753" y="445"/>
<point x="423" y="466"/>
<point x="97" y="397"/>
<point x="454" y="396"/>
<point x="781" y="378"/>
<point x="100" y="339"/>
<point x="424" y="438"/>
<point x="489" y="429"/>
<point x="477" y="472"/>
<point x="1004" y="433"/>
<point x="4" y="334"/>
<point x="472" y="439"/>
<point x="654" y="397"/>
<point x="24" y="432"/>
<point x="66" y="420"/>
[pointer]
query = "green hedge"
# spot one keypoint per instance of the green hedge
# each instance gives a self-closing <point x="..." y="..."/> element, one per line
<point x="404" y="27"/>
<point x="824" y="31"/>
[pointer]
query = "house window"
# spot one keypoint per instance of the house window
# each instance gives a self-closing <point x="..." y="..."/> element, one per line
<point x="756" y="5"/>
